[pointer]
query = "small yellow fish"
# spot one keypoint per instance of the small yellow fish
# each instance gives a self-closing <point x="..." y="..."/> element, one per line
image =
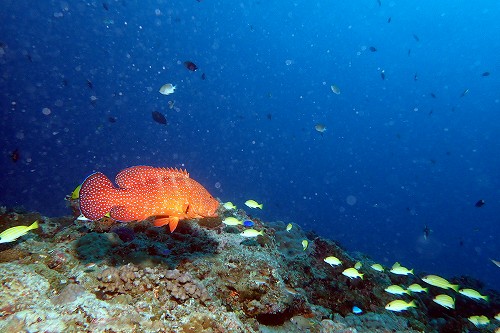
<point x="229" y="205"/>
<point x="416" y="288"/>
<point x="305" y="244"/>
<point x="396" y="290"/>
<point x="332" y="261"/>
<point x="289" y="227"/>
<point x="14" y="233"/>
<point x="445" y="301"/>
<point x="471" y="293"/>
<point x="479" y="320"/>
<point x="253" y="204"/>
<point x="232" y="221"/>
<point x="352" y="273"/>
<point x="497" y="316"/>
<point x="358" y="265"/>
<point x="400" y="270"/>
<point x="167" y="89"/>
<point x="377" y="267"/>
<point x="400" y="305"/>
<point x="440" y="282"/>
<point x="251" y="233"/>
<point x="76" y="193"/>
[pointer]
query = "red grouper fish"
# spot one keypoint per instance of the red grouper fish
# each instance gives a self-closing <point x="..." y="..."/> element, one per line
<point x="143" y="191"/>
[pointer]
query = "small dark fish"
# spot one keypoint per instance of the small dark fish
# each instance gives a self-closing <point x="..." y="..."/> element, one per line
<point x="90" y="84"/>
<point x="379" y="3"/>
<point x="65" y="82"/>
<point x="14" y="155"/>
<point x="382" y="74"/>
<point x="389" y="20"/>
<point x="190" y="65"/>
<point x="203" y="76"/>
<point x="415" y="77"/>
<point x="480" y="203"/>
<point x="461" y="243"/>
<point x="29" y="57"/>
<point x="105" y="6"/>
<point x="373" y="49"/>
<point x="269" y="116"/>
<point x="486" y="74"/>
<point x="431" y="112"/>
<point x="433" y="95"/>
<point x="159" y="118"/>
<point x="465" y="92"/>
<point x="416" y="38"/>
<point x="427" y="232"/>
<point x="409" y="51"/>
<point x="112" y="119"/>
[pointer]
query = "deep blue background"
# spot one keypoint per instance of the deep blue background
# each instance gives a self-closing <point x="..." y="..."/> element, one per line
<point x="409" y="159"/>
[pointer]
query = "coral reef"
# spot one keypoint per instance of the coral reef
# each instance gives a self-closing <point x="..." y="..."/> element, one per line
<point x="101" y="276"/>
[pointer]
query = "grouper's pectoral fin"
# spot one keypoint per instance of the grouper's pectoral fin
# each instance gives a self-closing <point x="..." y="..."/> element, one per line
<point x="172" y="222"/>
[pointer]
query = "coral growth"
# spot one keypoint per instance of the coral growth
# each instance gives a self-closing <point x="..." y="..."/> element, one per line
<point x="105" y="277"/>
<point x="129" y="279"/>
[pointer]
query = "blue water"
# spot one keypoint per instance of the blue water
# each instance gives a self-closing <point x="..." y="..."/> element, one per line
<point x="392" y="160"/>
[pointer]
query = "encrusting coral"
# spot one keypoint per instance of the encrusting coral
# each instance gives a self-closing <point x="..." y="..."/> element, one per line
<point x="77" y="276"/>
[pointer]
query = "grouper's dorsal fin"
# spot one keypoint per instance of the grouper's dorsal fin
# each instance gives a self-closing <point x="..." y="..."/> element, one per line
<point x="177" y="172"/>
